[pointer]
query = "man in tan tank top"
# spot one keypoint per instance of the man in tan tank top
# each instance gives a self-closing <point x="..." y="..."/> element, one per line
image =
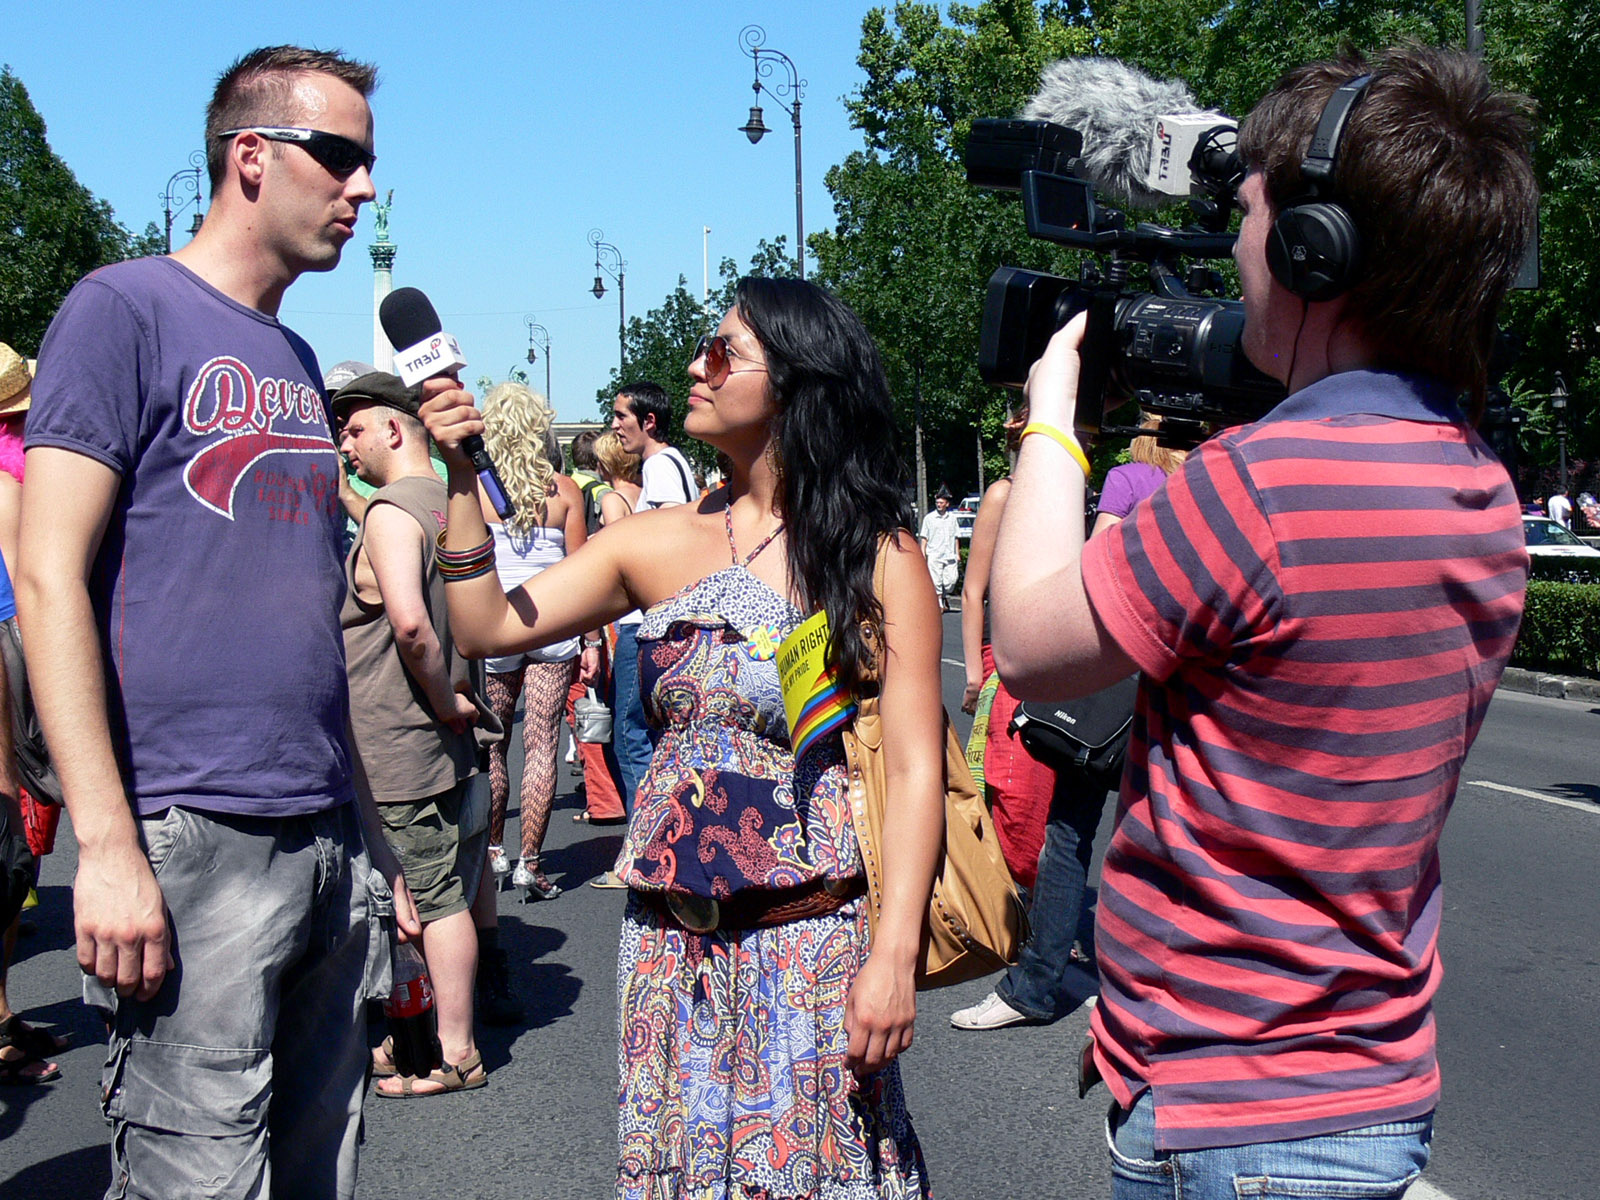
<point x="411" y="708"/>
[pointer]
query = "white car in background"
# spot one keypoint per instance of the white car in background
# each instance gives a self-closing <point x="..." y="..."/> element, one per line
<point x="966" y="514"/>
<point x="1551" y="539"/>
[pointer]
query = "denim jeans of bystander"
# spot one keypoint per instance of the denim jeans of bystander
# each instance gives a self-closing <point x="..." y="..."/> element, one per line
<point x="629" y="732"/>
<point x="1376" y="1162"/>
<point x="1042" y="986"/>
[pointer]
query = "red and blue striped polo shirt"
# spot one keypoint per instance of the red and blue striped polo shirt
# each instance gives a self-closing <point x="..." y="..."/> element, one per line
<point x="1322" y="604"/>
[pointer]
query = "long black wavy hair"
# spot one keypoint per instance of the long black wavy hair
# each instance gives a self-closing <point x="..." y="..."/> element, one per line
<point x="838" y="454"/>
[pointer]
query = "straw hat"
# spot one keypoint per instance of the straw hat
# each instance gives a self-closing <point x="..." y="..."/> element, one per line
<point x="16" y="382"/>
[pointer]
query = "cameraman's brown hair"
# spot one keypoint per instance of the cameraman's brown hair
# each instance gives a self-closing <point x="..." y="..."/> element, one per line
<point x="258" y="89"/>
<point x="1434" y="169"/>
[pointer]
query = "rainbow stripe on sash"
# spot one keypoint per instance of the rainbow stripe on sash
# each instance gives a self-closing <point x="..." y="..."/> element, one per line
<point x="812" y="698"/>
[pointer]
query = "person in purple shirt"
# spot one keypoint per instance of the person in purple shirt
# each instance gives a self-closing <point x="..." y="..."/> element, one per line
<point x="179" y="592"/>
<point x="1042" y="986"/>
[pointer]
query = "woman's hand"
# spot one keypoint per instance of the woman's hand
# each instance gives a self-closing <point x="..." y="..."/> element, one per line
<point x="969" y="698"/>
<point x="1052" y="388"/>
<point x="879" y="1014"/>
<point x="448" y="412"/>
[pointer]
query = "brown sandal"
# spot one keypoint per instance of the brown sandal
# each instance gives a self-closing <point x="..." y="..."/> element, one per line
<point x="381" y="1069"/>
<point x="22" y="1066"/>
<point x="463" y="1076"/>
<point x="40" y="1043"/>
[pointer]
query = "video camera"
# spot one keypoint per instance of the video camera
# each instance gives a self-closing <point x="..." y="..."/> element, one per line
<point x="1173" y="348"/>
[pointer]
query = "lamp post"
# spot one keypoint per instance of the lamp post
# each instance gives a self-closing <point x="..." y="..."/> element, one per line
<point x="1558" y="405"/>
<point x="187" y="179"/>
<point x="539" y="336"/>
<point x="604" y="250"/>
<point x="752" y="39"/>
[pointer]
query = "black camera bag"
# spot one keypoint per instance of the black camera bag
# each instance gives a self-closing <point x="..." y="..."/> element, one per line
<point x="1086" y="734"/>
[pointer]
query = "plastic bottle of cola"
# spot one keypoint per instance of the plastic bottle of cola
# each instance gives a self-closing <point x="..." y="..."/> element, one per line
<point x="413" y="1023"/>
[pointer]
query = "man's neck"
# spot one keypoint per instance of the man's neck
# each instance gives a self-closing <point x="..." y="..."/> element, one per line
<point x="653" y="447"/>
<point x="227" y="259"/>
<point x="409" y="468"/>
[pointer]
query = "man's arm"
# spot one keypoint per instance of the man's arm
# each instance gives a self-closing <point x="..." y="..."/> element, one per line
<point x="120" y="915"/>
<point x="1048" y="642"/>
<point x="975" y="588"/>
<point x="393" y="547"/>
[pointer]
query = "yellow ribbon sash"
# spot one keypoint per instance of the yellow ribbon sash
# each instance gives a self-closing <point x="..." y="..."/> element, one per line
<point x="812" y="699"/>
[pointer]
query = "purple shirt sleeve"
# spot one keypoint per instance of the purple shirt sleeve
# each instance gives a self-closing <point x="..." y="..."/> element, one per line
<point x="1127" y="485"/>
<point x="87" y="396"/>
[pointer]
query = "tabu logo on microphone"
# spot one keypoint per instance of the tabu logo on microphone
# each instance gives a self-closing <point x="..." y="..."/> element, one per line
<point x="1164" y="162"/>
<point x="427" y="358"/>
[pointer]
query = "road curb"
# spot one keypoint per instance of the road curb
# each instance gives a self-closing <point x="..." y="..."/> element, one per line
<point x="1559" y="687"/>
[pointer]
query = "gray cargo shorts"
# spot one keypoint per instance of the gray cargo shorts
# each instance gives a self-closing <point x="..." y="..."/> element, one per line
<point x="244" y="1075"/>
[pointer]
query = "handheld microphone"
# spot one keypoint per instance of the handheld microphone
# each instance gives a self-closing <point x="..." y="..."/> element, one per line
<point x="422" y="350"/>
<point x="1139" y="133"/>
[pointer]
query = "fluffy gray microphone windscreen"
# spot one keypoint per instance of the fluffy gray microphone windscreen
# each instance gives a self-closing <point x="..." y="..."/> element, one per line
<point x="1114" y="106"/>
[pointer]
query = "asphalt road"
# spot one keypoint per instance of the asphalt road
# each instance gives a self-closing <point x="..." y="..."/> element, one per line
<point x="997" y="1112"/>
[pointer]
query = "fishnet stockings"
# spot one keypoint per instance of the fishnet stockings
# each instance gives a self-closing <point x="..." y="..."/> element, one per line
<point x="543" y="687"/>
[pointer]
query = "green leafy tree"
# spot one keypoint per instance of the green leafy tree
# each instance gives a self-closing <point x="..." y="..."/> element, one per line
<point x="913" y="244"/>
<point x="52" y="230"/>
<point x="1231" y="52"/>
<point x="1551" y="50"/>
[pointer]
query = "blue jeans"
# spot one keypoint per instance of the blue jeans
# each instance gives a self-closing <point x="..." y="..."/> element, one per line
<point x="630" y="734"/>
<point x="1377" y="1162"/>
<point x="1041" y="985"/>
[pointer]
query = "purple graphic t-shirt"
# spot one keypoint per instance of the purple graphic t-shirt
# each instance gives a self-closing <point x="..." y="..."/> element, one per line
<point x="218" y="582"/>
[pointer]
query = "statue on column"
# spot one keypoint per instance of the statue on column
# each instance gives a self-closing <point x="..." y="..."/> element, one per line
<point x="382" y="211"/>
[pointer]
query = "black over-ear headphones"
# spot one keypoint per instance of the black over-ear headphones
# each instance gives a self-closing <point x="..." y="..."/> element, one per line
<point x="1313" y="248"/>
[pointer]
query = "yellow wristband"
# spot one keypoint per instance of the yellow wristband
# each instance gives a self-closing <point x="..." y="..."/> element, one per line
<point x="1063" y="439"/>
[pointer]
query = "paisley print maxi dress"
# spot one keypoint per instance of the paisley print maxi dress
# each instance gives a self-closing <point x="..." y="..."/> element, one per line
<point x="733" y="1081"/>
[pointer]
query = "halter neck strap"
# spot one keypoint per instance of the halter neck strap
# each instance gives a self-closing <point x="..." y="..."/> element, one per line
<point x="733" y="547"/>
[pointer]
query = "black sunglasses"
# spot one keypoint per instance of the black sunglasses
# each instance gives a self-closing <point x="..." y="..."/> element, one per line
<point x="338" y="154"/>
<point x="718" y="352"/>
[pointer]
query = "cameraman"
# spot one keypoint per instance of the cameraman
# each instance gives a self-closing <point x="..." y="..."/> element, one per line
<point x="1321" y="604"/>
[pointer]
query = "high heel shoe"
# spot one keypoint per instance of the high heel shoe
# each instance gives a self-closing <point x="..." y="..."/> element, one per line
<point x="528" y="875"/>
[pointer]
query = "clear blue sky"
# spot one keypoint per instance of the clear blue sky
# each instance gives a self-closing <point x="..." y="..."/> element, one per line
<point x="507" y="131"/>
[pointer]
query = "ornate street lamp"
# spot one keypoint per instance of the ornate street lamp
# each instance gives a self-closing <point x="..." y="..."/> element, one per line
<point x="1558" y="405"/>
<point x="609" y="259"/>
<point x="752" y="39"/>
<point x="172" y="204"/>
<point x="539" y="336"/>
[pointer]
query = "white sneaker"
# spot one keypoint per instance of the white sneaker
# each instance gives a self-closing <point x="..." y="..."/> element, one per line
<point x="572" y="751"/>
<point x="498" y="862"/>
<point x="989" y="1013"/>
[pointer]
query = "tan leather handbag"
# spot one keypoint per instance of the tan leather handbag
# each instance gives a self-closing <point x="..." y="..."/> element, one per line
<point x="976" y="921"/>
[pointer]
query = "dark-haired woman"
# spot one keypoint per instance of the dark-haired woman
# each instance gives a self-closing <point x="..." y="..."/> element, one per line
<point x="757" y="1031"/>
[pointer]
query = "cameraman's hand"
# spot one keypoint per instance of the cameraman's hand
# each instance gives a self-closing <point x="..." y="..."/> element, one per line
<point x="1052" y="388"/>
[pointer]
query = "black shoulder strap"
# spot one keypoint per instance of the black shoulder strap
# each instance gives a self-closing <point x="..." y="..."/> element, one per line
<point x="688" y="485"/>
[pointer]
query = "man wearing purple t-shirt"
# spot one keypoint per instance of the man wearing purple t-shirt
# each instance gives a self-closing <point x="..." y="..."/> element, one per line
<point x="180" y="595"/>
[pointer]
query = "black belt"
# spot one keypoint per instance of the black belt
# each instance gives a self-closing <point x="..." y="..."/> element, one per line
<point x="754" y="908"/>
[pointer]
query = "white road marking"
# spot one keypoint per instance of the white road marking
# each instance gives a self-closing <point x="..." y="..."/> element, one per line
<point x="951" y="662"/>
<point x="1425" y="1191"/>
<point x="1516" y="791"/>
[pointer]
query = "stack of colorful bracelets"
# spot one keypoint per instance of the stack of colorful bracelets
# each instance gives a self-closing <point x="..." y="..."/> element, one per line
<point x="456" y="565"/>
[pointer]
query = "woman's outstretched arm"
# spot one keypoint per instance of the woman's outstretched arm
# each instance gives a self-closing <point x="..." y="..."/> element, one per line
<point x="579" y="593"/>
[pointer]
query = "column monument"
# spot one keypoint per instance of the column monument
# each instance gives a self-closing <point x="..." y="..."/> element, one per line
<point x="383" y="252"/>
